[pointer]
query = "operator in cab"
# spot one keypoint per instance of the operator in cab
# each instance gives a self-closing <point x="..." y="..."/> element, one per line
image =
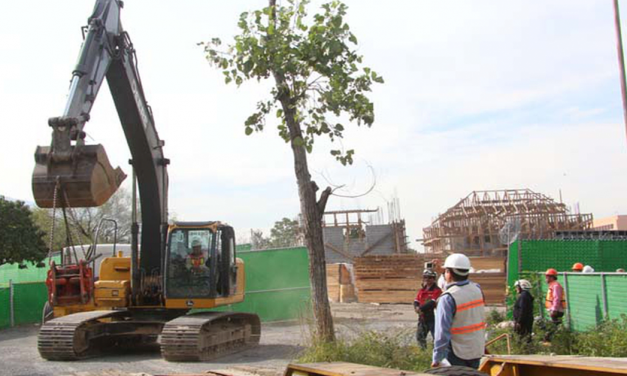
<point x="196" y="261"/>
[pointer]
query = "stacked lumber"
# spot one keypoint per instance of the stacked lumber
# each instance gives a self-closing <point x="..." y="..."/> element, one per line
<point x="488" y="263"/>
<point x="388" y="279"/>
<point x="492" y="285"/>
<point x="397" y="278"/>
<point x="339" y="284"/>
<point x="491" y="277"/>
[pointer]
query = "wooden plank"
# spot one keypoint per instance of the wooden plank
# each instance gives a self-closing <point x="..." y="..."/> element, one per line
<point x="577" y="365"/>
<point x="344" y="369"/>
<point x="386" y="284"/>
<point x="386" y="296"/>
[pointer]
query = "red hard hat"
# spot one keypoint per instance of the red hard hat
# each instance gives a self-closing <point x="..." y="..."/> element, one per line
<point x="551" y="271"/>
<point x="578" y="266"/>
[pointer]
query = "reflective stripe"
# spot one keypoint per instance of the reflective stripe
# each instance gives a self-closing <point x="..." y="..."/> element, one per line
<point x="469" y="328"/>
<point x="469" y="305"/>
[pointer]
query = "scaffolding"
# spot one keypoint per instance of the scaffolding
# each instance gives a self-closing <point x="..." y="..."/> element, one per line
<point x="485" y="222"/>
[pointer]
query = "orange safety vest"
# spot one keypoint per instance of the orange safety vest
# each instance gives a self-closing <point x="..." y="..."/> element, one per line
<point x="197" y="261"/>
<point x="549" y="297"/>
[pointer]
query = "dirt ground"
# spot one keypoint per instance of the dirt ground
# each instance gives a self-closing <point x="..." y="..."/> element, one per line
<point x="280" y="343"/>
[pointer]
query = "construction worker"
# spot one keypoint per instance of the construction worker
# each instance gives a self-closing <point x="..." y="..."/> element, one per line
<point x="424" y="305"/>
<point x="555" y="302"/>
<point x="588" y="269"/>
<point x="523" y="310"/>
<point x="195" y="261"/>
<point x="577" y="267"/>
<point x="460" y="317"/>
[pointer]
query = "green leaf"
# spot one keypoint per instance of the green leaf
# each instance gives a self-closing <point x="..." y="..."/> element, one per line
<point x="248" y="131"/>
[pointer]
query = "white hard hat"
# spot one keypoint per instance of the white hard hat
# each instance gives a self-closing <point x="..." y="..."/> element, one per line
<point x="459" y="262"/>
<point x="523" y="284"/>
<point x="588" y="269"/>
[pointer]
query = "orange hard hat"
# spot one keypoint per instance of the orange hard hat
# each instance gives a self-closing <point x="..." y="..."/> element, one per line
<point x="551" y="271"/>
<point x="578" y="266"/>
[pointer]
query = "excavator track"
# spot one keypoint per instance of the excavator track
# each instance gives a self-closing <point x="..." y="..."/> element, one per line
<point x="71" y="337"/>
<point x="205" y="336"/>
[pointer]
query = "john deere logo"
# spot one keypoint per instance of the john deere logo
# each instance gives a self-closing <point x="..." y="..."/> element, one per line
<point x="190" y="303"/>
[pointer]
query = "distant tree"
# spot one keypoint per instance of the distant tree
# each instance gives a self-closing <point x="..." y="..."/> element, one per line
<point x="83" y="222"/>
<point x="317" y="79"/>
<point x="286" y="233"/>
<point x="118" y="208"/>
<point x="20" y="238"/>
<point x="43" y="220"/>
<point x="258" y="240"/>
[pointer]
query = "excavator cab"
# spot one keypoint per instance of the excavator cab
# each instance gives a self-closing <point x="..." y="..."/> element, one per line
<point x="200" y="261"/>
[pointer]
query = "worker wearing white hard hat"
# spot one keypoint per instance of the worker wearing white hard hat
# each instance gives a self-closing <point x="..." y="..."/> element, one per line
<point x="588" y="269"/>
<point x="460" y="317"/>
<point x="523" y="310"/>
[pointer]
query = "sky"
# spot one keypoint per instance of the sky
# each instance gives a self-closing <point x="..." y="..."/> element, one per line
<point x="478" y="95"/>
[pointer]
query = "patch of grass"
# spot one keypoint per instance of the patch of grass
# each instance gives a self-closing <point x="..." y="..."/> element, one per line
<point x="606" y="340"/>
<point x="391" y="350"/>
<point x="494" y="317"/>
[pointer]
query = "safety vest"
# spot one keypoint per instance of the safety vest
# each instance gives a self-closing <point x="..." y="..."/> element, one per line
<point x="468" y="328"/>
<point x="549" y="296"/>
<point x="197" y="261"/>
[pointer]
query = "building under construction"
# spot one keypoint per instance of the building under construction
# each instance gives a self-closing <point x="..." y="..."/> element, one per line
<point x="485" y="222"/>
<point x="354" y="233"/>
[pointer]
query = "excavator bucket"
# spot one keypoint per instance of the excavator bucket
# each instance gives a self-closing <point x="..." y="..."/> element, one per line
<point x="86" y="179"/>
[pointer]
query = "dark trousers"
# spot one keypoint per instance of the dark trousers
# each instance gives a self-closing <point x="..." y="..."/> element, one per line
<point x="524" y="329"/>
<point x="457" y="361"/>
<point x="556" y="321"/>
<point x="424" y="328"/>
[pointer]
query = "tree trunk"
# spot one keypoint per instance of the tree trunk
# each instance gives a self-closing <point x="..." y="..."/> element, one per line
<point x="312" y="212"/>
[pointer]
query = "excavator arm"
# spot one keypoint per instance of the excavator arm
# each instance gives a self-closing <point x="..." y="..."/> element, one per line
<point x="69" y="173"/>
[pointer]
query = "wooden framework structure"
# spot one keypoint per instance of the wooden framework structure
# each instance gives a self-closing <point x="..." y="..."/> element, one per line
<point x="472" y="226"/>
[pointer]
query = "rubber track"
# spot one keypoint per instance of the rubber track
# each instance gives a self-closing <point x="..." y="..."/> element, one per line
<point x="205" y="336"/>
<point x="58" y="339"/>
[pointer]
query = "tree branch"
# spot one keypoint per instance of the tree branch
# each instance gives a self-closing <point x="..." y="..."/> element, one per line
<point x="322" y="202"/>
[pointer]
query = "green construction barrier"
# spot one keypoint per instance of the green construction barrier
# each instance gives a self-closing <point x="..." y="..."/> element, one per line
<point x="527" y="257"/>
<point x="12" y="272"/>
<point x="29" y="300"/>
<point x="277" y="284"/>
<point x="591" y="298"/>
<point x="277" y="288"/>
<point x="539" y="255"/>
<point x="5" y="302"/>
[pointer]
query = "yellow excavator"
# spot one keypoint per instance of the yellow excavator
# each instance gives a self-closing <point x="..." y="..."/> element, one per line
<point x="175" y="272"/>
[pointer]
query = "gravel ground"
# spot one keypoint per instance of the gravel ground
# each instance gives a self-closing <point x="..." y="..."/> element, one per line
<point x="280" y="343"/>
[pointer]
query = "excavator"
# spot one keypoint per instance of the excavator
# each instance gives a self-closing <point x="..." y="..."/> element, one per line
<point x="176" y="273"/>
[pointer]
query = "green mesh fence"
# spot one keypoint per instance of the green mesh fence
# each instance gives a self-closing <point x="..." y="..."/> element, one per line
<point x="5" y="313"/>
<point x="526" y="257"/>
<point x="29" y="300"/>
<point x="12" y="272"/>
<point x="590" y="298"/>
<point x="277" y="288"/>
<point x="277" y="284"/>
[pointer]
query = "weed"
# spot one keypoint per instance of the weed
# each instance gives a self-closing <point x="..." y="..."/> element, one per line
<point x="494" y="317"/>
<point x="390" y="350"/>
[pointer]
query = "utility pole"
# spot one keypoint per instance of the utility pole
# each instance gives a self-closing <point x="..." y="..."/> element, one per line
<point x="621" y="61"/>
